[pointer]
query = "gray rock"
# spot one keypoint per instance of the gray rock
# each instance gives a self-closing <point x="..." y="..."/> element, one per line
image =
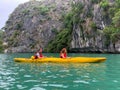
<point x="35" y="23"/>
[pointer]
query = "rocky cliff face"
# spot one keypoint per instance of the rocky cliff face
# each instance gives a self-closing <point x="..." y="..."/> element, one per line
<point x="90" y="37"/>
<point x="86" y="39"/>
<point x="34" y="24"/>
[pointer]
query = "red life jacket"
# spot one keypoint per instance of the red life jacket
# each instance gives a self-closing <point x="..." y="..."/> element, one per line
<point x="64" y="55"/>
<point x="41" y="55"/>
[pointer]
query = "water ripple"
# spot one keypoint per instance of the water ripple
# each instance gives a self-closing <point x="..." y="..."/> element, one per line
<point x="57" y="85"/>
<point x="31" y="81"/>
<point x="21" y="87"/>
<point x="81" y="81"/>
<point x="52" y="76"/>
<point x="37" y="88"/>
<point x="27" y="76"/>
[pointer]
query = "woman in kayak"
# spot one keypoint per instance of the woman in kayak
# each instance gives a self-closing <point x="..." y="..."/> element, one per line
<point x="39" y="54"/>
<point x="63" y="53"/>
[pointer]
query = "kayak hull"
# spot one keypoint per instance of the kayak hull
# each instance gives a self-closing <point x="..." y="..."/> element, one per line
<point x="62" y="60"/>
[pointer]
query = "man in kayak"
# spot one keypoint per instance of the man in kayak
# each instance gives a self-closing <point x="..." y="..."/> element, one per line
<point x="63" y="53"/>
<point x="39" y="54"/>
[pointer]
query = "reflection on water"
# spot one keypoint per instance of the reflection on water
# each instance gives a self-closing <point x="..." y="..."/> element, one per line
<point x="57" y="76"/>
<point x="61" y="75"/>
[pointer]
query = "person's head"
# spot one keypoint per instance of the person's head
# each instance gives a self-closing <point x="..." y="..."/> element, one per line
<point x="64" y="50"/>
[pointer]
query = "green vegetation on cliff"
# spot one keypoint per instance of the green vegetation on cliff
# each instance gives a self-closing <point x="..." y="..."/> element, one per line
<point x="112" y="32"/>
<point x="64" y="37"/>
<point x="104" y="4"/>
<point x="73" y="19"/>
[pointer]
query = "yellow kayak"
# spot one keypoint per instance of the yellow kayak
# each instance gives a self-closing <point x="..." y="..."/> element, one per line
<point x="62" y="60"/>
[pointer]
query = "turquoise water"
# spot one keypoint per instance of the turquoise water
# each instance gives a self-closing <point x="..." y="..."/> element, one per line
<point x="54" y="76"/>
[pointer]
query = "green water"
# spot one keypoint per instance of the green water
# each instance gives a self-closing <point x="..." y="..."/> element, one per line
<point x="54" y="76"/>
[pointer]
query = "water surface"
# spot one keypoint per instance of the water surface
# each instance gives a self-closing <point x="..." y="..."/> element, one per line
<point x="54" y="76"/>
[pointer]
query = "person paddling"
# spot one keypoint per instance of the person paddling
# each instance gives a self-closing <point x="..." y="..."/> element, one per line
<point x="63" y="53"/>
<point x="39" y="54"/>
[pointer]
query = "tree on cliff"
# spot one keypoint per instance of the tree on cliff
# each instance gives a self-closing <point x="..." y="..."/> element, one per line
<point x="116" y="19"/>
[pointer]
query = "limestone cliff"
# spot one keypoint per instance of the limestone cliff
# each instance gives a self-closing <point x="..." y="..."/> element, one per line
<point x="34" y="24"/>
<point x="88" y="36"/>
